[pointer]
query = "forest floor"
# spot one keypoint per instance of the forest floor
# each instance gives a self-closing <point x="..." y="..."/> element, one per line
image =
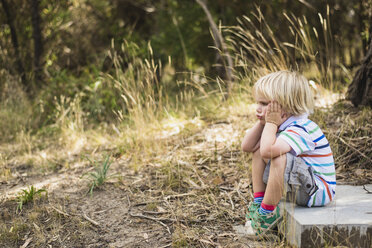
<point x="190" y="194"/>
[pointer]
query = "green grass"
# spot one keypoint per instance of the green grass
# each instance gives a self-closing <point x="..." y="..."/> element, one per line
<point x="100" y="175"/>
<point x="28" y="195"/>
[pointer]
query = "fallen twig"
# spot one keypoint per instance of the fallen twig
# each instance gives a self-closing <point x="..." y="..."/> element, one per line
<point x="231" y="201"/>
<point x="226" y="188"/>
<point x="178" y="196"/>
<point x="167" y="245"/>
<point x="95" y="223"/>
<point x="159" y="221"/>
<point x="105" y="210"/>
<point x="154" y="212"/>
<point x="59" y="211"/>
<point x="144" y="203"/>
<point x="27" y="242"/>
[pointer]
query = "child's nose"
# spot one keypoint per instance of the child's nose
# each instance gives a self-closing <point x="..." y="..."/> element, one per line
<point x="258" y="109"/>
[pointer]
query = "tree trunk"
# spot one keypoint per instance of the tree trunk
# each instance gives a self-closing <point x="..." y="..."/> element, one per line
<point x="360" y="89"/>
<point x="38" y="39"/>
<point x="14" y="39"/>
<point x="220" y="44"/>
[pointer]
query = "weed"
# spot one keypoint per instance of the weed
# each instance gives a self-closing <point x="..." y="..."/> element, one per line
<point x="28" y="195"/>
<point x="99" y="176"/>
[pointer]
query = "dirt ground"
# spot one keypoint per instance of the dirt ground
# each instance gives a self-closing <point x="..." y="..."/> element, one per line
<point x="190" y="196"/>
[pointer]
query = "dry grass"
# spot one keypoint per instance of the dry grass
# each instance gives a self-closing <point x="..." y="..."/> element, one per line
<point x="260" y="50"/>
<point x="177" y="153"/>
<point x="348" y="130"/>
<point x="183" y="176"/>
<point x="187" y="174"/>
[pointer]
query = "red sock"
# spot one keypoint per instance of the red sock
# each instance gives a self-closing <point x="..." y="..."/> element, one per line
<point x="258" y="197"/>
<point x="266" y="209"/>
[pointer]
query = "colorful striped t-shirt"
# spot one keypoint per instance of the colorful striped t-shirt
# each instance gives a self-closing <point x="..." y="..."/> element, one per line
<point x="309" y="143"/>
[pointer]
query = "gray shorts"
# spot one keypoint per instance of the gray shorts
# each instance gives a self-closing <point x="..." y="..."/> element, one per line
<point x="299" y="182"/>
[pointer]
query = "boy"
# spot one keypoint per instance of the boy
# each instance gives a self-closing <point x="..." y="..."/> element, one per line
<point x="289" y="152"/>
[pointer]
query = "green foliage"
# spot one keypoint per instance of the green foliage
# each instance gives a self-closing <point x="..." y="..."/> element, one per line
<point x="65" y="83"/>
<point x="99" y="176"/>
<point x="185" y="30"/>
<point x="77" y="33"/>
<point x="28" y="195"/>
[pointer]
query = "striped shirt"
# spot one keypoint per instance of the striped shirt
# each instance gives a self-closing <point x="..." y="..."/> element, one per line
<point x="309" y="143"/>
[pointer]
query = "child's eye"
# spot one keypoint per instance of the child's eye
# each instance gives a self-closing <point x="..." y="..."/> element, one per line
<point x="263" y="103"/>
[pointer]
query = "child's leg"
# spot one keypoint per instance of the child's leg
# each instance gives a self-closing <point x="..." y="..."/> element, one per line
<point x="258" y="168"/>
<point x="267" y="216"/>
<point x="275" y="184"/>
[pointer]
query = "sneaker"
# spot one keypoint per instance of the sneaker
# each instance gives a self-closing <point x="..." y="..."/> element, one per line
<point x="265" y="224"/>
<point x="253" y="206"/>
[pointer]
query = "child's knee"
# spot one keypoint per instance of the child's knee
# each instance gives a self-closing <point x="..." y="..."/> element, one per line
<point x="256" y="155"/>
<point x="279" y="161"/>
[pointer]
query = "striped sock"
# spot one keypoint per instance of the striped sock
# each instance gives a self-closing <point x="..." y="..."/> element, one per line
<point x="258" y="197"/>
<point x="266" y="209"/>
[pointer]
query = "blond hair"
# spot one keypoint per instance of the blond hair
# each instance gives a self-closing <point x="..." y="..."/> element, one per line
<point x="290" y="89"/>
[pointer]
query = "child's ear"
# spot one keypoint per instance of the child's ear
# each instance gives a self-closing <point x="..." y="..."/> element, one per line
<point x="284" y="114"/>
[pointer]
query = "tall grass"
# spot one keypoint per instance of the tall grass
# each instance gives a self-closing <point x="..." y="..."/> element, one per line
<point x="148" y="97"/>
<point x="151" y="101"/>
<point x="136" y="82"/>
<point x="259" y="49"/>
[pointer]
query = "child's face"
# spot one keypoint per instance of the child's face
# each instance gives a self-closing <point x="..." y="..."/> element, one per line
<point x="261" y="108"/>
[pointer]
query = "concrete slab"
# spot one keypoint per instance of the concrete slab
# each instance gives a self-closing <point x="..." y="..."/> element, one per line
<point x="346" y="221"/>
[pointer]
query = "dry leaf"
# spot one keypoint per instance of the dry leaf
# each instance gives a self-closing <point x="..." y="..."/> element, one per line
<point x="217" y="180"/>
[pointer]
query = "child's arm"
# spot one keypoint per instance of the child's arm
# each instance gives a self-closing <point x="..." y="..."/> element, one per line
<point x="251" y="141"/>
<point x="270" y="146"/>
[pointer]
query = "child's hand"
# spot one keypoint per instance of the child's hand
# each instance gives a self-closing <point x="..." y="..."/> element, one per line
<point x="274" y="113"/>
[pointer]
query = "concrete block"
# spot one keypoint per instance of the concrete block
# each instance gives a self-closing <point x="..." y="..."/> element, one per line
<point x="347" y="220"/>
